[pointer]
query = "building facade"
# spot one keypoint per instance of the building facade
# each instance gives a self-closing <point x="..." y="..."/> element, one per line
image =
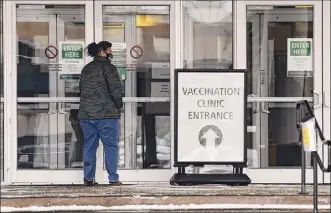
<point x="284" y="45"/>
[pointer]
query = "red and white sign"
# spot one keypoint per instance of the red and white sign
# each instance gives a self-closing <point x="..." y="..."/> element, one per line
<point x="136" y="52"/>
<point x="51" y="52"/>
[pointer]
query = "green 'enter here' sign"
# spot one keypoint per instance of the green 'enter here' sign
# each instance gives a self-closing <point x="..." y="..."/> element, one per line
<point x="300" y="48"/>
<point x="72" y="51"/>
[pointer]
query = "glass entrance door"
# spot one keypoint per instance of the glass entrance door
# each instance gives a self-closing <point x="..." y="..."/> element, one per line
<point x="49" y="140"/>
<point x="283" y="57"/>
<point x="141" y="46"/>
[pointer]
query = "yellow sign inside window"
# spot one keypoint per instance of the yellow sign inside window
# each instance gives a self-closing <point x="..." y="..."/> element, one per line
<point x="148" y="20"/>
<point x="304" y="6"/>
<point x="113" y="25"/>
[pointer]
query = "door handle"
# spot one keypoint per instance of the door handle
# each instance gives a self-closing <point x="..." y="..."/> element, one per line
<point x="61" y="111"/>
<point x="326" y="99"/>
<point x="318" y="102"/>
<point x="254" y="103"/>
<point x="51" y="111"/>
<point x="263" y="109"/>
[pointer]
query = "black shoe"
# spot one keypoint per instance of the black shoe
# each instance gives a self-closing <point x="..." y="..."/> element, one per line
<point x="90" y="183"/>
<point x="118" y="183"/>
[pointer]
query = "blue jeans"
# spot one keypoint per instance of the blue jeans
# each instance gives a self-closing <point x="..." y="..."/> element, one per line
<point x="106" y="130"/>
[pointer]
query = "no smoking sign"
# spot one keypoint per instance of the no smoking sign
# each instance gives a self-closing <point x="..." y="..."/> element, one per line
<point x="136" y="52"/>
<point x="51" y="52"/>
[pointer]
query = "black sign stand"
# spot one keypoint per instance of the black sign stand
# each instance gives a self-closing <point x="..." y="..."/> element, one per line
<point x="237" y="178"/>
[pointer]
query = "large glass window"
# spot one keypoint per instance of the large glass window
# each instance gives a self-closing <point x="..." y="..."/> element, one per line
<point x="1" y="91"/>
<point x="208" y="34"/>
<point x="50" y="44"/>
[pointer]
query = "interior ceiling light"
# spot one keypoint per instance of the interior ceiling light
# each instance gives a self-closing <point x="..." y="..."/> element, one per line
<point x="209" y="11"/>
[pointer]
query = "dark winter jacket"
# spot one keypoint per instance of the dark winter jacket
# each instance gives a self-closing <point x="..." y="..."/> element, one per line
<point x="101" y="90"/>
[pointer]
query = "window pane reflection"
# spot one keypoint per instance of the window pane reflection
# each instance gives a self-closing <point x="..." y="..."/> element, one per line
<point x="34" y="149"/>
<point x="151" y="136"/>
<point x="283" y="138"/>
<point x="47" y="142"/>
<point x="37" y="30"/>
<point x="74" y="158"/>
<point x="154" y="151"/>
<point x="208" y="34"/>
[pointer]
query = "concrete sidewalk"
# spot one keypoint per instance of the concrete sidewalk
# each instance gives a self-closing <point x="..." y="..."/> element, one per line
<point x="158" y="194"/>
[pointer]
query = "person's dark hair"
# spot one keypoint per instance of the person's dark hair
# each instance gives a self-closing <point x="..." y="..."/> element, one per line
<point x="94" y="49"/>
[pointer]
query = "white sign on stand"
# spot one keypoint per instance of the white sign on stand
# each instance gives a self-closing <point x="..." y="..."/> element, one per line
<point x="300" y="57"/>
<point x="210" y="117"/>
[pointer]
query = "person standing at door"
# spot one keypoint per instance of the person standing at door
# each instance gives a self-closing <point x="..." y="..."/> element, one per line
<point x="101" y="100"/>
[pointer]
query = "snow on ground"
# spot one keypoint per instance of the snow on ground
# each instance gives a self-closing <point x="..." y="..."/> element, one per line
<point x="161" y="207"/>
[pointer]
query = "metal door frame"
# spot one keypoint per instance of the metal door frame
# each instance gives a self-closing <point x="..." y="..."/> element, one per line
<point x="14" y="176"/>
<point x="271" y="175"/>
<point x="326" y="81"/>
<point x="145" y="175"/>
